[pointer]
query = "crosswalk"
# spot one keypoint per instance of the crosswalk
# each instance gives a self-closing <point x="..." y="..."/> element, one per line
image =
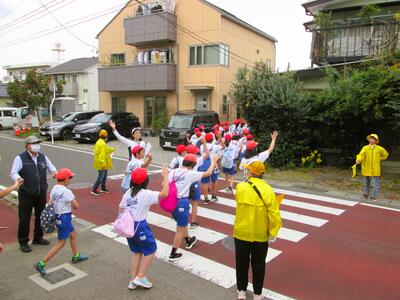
<point x="217" y="220"/>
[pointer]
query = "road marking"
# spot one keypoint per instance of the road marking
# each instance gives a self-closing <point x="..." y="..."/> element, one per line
<point x="313" y="207"/>
<point x="284" y="214"/>
<point x="116" y="177"/>
<point x="284" y="233"/>
<point x="381" y="207"/>
<point x="106" y="230"/>
<point x="270" y="294"/>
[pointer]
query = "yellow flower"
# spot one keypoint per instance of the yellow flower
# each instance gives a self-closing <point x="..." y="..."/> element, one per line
<point x="315" y="151"/>
<point x="319" y="160"/>
<point x="303" y="160"/>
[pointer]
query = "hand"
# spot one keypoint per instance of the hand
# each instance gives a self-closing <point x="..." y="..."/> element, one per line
<point x="274" y="135"/>
<point x="18" y="183"/>
<point x="1" y="248"/>
<point x="271" y="239"/>
<point x="54" y="174"/>
<point x="358" y="161"/>
<point x="214" y="158"/>
<point x="112" y="124"/>
<point x="165" y="172"/>
<point x="149" y="156"/>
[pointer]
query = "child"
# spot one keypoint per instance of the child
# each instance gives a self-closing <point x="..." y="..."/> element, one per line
<point x="102" y="162"/>
<point x="205" y="182"/>
<point x="370" y="158"/>
<point x="228" y="162"/>
<point x="251" y="154"/>
<point x="142" y="245"/>
<point x="176" y="162"/>
<point x="196" y="138"/>
<point x="63" y="200"/>
<point x="184" y="177"/>
<point x="135" y="163"/>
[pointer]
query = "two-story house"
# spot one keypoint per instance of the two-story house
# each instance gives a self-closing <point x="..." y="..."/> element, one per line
<point x="19" y="71"/>
<point x="81" y="81"/>
<point x="163" y="56"/>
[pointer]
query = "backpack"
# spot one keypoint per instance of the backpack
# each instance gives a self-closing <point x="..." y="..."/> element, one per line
<point x="171" y="201"/>
<point x="48" y="218"/>
<point x="227" y="161"/>
<point x="124" y="225"/>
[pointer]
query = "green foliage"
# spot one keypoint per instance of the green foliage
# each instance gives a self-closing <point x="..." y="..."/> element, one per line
<point x="33" y="92"/>
<point x="323" y="20"/>
<point x="160" y="121"/>
<point x="368" y="11"/>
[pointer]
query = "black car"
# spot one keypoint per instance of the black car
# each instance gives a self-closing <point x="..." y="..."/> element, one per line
<point x="89" y="132"/>
<point x="183" y="122"/>
<point x="64" y="125"/>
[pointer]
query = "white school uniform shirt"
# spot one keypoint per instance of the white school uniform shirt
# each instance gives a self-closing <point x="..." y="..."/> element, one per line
<point x="176" y="161"/>
<point x="194" y="139"/>
<point x="200" y="161"/>
<point x="213" y="147"/>
<point x="139" y="205"/>
<point x="131" y="143"/>
<point x="133" y="164"/>
<point x="263" y="156"/>
<point x="61" y="197"/>
<point x="184" y="178"/>
<point x="236" y="148"/>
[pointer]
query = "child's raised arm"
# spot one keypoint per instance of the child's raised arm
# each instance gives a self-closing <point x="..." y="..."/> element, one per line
<point x="164" y="185"/>
<point x="148" y="160"/>
<point x="274" y="136"/>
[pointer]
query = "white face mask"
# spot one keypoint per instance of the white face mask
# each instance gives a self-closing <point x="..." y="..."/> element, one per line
<point x="35" y="148"/>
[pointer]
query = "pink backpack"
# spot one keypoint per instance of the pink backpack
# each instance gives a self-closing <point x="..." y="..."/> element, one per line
<point x="171" y="201"/>
<point x="124" y="225"/>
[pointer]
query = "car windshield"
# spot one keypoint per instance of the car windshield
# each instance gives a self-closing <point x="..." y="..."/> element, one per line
<point x="100" y="118"/>
<point x="181" y="122"/>
<point x="66" y="118"/>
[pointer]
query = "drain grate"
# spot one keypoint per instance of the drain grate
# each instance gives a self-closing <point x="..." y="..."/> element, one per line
<point x="58" y="276"/>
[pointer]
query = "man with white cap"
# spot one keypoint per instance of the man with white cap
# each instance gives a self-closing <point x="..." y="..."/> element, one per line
<point x="32" y="166"/>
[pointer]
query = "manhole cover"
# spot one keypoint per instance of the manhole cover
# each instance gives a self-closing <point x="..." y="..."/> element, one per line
<point x="229" y="243"/>
<point x="58" y="276"/>
<point x="79" y="185"/>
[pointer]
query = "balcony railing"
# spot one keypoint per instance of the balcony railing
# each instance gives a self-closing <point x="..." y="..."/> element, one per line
<point x="350" y="43"/>
<point x="150" y="28"/>
<point x="149" y="77"/>
<point x="70" y="89"/>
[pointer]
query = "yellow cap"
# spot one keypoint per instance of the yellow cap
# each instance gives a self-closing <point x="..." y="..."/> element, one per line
<point x="103" y="133"/>
<point x="373" y="135"/>
<point x="256" y="167"/>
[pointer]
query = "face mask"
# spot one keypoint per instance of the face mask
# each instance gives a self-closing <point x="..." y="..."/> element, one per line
<point x="35" y="148"/>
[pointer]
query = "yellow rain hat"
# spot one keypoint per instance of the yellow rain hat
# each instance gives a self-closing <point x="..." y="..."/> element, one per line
<point x="373" y="135"/>
<point x="103" y="133"/>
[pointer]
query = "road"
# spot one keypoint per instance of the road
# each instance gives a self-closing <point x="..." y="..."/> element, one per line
<point x="328" y="248"/>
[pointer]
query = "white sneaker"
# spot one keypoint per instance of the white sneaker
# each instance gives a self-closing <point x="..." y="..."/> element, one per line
<point x="143" y="282"/>
<point x="132" y="285"/>
<point x="241" y="295"/>
<point x="258" y="297"/>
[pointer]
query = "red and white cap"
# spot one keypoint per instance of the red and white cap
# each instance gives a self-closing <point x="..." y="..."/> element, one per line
<point x="246" y="131"/>
<point x="228" y="137"/>
<point x="190" y="157"/>
<point x="251" y="145"/>
<point x="139" y="176"/>
<point x="63" y="174"/>
<point x="180" y="148"/>
<point x="209" y="137"/>
<point x="192" y="149"/>
<point x="136" y="149"/>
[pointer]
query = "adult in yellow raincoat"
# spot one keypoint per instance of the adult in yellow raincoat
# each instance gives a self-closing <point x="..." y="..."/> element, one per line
<point x="370" y="158"/>
<point x="102" y="162"/>
<point x="257" y="222"/>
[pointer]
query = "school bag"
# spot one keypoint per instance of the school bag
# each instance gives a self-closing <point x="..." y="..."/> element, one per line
<point x="170" y="202"/>
<point x="227" y="161"/>
<point x="124" y="225"/>
<point x="48" y="218"/>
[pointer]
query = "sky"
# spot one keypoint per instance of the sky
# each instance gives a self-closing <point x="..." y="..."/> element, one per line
<point x="282" y="19"/>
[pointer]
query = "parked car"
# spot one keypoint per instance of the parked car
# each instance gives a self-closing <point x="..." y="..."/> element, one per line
<point x="89" y="132"/>
<point x="8" y="117"/>
<point x="183" y="122"/>
<point x="64" y="125"/>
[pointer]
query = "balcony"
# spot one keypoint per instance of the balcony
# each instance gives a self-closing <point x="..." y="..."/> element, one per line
<point x="149" y="77"/>
<point x="70" y="89"/>
<point x="150" y="29"/>
<point x="340" y="44"/>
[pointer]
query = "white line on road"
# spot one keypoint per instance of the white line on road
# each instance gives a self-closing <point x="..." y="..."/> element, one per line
<point x="381" y="207"/>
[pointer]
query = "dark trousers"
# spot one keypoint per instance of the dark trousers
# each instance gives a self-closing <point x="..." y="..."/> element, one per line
<point x="25" y="206"/>
<point x="101" y="180"/>
<point x="255" y="252"/>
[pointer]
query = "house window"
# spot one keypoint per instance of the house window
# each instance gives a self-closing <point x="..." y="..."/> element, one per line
<point x="118" y="104"/>
<point x="224" y="104"/>
<point x="217" y="54"/>
<point x="153" y="108"/>
<point x="117" y="59"/>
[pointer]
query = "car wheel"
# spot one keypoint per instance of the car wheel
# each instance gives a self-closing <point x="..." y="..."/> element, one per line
<point x="66" y="134"/>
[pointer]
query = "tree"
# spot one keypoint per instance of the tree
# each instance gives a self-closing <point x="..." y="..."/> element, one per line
<point x="34" y="91"/>
<point x="275" y="101"/>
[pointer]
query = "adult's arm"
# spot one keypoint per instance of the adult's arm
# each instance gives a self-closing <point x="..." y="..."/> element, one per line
<point x="384" y="154"/>
<point x="360" y="156"/>
<point x="120" y="138"/>
<point x="16" y="167"/>
<point x="50" y="167"/>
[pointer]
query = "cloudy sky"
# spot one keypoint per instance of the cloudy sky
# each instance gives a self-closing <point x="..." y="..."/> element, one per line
<point x="24" y="36"/>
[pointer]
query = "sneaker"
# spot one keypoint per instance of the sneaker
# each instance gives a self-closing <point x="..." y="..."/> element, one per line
<point x="230" y="189"/>
<point x="143" y="282"/>
<point x="79" y="258"/>
<point x="132" y="285"/>
<point x="40" y="268"/>
<point x="42" y="242"/>
<point x="258" y="297"/>
<point x="194" y="225"/>
<point x="214" y="198"/>
<point x="207" y="201"/>
<point x="365" y="196"/>
<point x="95" y="193"/>
<point x="227" y="190"/>
<point x="373" y="198"/>
<point x="191" y="242"/>
<point x="105" y="191"/>
<point x="241" y="295"/>
<point x="174" y="256"/>
<point x="25" y="248"/>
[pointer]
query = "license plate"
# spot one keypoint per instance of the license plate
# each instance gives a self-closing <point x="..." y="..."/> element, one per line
<point x="43" y="133"/>
<point x="167" y="144"/>
<point x="78" y="136"/>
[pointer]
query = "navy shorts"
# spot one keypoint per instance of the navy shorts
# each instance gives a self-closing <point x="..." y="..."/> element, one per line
<point x="64" y="226"/>
<point x="195" y="193"/>
<point x="143" y="241"/>
<point x="181" y="212"/>
<point x="213" y="178"/>
<point x="230" y="171"/>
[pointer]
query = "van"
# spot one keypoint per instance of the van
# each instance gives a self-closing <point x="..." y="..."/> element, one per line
<point x="8" y="117"/>
<point x="183" y="122"/>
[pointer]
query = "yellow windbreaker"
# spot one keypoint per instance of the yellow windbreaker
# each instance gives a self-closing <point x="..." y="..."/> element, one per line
<point x="256" y="220"/>
<point x="102" y="155"/>
<point x="371" y="160"/>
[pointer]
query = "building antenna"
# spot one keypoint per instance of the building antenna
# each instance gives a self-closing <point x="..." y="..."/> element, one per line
<point x="58" y="50"/>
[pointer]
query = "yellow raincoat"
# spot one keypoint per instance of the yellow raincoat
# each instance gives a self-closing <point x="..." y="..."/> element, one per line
<point x="371" y="160"/>
<point x="256" y="220"/>
<point x="102" y="155"/>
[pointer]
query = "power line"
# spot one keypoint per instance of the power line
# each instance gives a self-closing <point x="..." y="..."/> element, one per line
<point x="64" y="27"/>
